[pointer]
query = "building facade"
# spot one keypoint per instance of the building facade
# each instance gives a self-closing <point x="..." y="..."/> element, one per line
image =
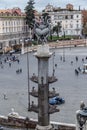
<point x="13" y="27"/>
<point x="70" y="19"/>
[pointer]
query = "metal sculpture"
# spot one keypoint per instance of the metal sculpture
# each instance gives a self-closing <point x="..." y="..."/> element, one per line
<point x="42" y="30"/>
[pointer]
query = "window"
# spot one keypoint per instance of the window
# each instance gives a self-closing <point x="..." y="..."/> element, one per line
<point x="71" y="25"/>
<point x="71" y="16"/>
<point x="66" y="32"/>
<point x="60" y="17"/>
<point x="77" y="25"/>
<point x="66" y="17"/>
<point x="9" y="23"/>
<point x="1" y="13"/>
<point x="55" y="17"/>
<point x="66" y="26"/>
<point x="77" y="16"/>
<point x="71" y="32"/>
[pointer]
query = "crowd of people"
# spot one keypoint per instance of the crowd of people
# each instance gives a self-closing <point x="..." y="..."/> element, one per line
<point x="8" y="59"/>
<point x="76" y="59"/>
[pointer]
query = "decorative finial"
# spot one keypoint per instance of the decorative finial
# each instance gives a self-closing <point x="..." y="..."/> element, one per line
<point x="42" y="30"/>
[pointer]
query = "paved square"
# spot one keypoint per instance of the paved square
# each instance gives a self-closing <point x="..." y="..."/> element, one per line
<point x="72" y="87"/>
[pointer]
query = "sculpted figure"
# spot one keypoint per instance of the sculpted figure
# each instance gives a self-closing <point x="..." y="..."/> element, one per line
<point x="42" y="30"/>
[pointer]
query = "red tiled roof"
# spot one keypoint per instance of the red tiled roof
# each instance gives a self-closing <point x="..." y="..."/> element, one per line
<point x="12" y="11"/>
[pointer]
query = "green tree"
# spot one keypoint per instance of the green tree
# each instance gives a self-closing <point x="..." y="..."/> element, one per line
<point x="84" y="31"/>
<point x="57" y="28"/>
<point x="29" y="10"/>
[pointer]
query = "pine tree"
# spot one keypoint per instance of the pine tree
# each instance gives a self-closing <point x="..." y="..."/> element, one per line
<point x="29" y="10"/>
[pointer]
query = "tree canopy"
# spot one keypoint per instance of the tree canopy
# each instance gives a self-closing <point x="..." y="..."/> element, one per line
<point x="29" y="10"/>
<point x="57" y="28"/>
<point x="46" y="16"/>
<point x="84" y="30"/>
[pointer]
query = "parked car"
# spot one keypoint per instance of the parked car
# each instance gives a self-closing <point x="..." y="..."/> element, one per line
<point x="84" y="70"/>
<point x="56" y="101"/>
<point x="1" y="127"/>
<point x="12" y="51"/>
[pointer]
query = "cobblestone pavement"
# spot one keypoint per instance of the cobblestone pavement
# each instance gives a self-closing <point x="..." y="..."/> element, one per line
<point x="73" y="88"/>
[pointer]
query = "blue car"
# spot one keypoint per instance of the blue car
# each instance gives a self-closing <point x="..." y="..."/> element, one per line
<point x="56" y="101"/>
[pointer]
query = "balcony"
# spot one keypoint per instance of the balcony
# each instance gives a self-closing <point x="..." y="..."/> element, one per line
<point x="52" y="93"/>
<point x="51" y="79"/>
<point x="52" y="108"/>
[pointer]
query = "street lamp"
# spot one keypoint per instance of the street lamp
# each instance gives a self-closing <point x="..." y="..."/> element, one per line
<point x="27" y="123"/>
<point x="63" y="46"/>
<point x="64" y="33"/>
<point x="28" y="75"/>
<point x="71" y="43"/>
<point x="63" y="53"/>
<point x="22" y="46"/>
<point x="53" y="63"/>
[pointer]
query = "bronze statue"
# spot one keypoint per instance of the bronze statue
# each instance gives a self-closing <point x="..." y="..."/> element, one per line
<point x="42" y="30"/>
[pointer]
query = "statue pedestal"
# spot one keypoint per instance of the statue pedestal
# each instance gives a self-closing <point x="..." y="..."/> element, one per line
<point x="49" y="127"/>
<point x="43" y="51"/>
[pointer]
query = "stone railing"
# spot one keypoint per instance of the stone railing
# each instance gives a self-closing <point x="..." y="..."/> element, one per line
<point x="25" y="122"/>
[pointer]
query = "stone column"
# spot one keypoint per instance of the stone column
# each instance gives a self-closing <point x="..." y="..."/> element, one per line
<point x="43" y="56"/>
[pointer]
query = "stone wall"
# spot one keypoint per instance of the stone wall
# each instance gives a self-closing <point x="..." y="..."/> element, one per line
<point x="63" y="126"/>
<point x="25" y="122"/>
